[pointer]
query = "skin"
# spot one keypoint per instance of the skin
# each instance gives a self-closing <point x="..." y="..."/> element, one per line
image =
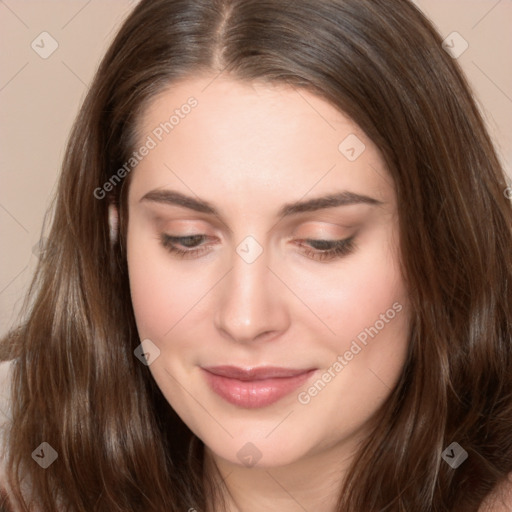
<point x="248" y="150"/>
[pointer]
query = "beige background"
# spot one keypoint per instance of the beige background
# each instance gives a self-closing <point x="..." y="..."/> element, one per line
<point x="40" y="97"/>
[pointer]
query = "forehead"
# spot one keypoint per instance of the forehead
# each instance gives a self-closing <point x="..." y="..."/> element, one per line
<point x="258" y="137"/>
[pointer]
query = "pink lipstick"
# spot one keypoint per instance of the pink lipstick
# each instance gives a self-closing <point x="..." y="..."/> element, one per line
<point x="254" y="387"/>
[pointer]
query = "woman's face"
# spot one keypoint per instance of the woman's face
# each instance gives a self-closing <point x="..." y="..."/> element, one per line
<point x="239" y="173"/>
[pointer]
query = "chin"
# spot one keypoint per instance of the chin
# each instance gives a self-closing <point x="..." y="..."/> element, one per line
<point x="259" y="453"/>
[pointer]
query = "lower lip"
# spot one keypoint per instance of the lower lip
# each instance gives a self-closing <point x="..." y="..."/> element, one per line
<point x="256" y="393"/>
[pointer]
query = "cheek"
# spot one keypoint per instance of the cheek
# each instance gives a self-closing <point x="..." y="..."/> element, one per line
<point x="151" y="293"/>
<point x="369" y="313"/>
<point x="167" y="297"/>
<point x="372" y="328"/>
<point x="361" y="293"/>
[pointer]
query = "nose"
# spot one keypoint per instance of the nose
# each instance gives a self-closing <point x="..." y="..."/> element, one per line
<point x="251" y="302"/>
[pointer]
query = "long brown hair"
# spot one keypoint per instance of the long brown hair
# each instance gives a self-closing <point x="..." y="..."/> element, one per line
<point x="76" y="382"/>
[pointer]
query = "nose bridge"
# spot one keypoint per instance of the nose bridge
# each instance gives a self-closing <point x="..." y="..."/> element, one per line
<point x="250" y="303"/>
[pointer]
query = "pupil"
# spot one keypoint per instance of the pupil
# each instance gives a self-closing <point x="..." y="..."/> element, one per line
<point x="321" y="245"/>
<point x="189" y="241"/>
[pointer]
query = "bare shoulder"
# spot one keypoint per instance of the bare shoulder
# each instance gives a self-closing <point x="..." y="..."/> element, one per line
<point x="6" y="368"/>
<point x="5" y="416"/>
<point x="5" y="408"/>
<point x="500" y="500"/>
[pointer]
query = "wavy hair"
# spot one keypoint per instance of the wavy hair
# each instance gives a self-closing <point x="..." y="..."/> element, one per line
<point x="76" y="383"/>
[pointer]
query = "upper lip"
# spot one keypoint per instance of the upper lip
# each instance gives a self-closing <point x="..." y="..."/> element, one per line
<point x="257" y="373"/>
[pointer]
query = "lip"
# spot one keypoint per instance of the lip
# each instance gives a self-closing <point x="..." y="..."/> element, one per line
<point x="254" y="387"/>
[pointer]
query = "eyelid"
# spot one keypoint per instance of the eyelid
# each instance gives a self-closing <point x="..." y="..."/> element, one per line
<point x="337" y="248"/>
<point x="171" y="218"/>
<point x="323" y="229"/>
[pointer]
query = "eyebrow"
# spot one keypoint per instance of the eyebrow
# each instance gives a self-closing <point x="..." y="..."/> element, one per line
<point x="344" y="198"/>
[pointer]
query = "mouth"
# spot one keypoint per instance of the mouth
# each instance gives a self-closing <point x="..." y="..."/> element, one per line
<point x="254" y="387"/>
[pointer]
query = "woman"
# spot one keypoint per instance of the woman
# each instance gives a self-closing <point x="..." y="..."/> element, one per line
<point x="278" y="275"/>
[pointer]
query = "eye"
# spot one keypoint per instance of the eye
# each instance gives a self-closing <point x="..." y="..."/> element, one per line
<point x="320" y="250"/>
<point x="328" y="249"/>
<point x="189" y="242"/>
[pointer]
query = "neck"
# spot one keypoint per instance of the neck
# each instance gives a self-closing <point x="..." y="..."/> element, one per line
<point x="312" y="483"/>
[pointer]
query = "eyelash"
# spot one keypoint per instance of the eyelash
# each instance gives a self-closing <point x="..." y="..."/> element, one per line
<point x="338" y="248"/>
